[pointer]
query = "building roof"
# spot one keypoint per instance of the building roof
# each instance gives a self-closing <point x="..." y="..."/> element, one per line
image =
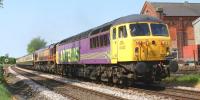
<point x="125" y="19"/>
<point x="178" y="9"/>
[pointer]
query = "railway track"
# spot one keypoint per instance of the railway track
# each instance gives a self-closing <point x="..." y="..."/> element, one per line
<point x="71" y="91"/>
<point x="79" y="93"/>
<point x="177" y="94"/>
<point x="185" y="94"/>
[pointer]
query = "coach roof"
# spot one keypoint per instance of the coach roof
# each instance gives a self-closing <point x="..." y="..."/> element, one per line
<point x="136" y="18"/>
<point x="126" y="19"/>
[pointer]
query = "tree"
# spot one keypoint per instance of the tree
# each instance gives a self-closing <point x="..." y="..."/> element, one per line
<point x="36" y="44"/>
<point x="1" y="3"/>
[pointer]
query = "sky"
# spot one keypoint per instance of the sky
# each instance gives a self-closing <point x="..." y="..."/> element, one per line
<point x="54" y="20"/>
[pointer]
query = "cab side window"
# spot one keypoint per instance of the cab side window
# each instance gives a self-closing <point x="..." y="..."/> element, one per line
<point x="114" y="33"/>
<point x="122" y="32"/>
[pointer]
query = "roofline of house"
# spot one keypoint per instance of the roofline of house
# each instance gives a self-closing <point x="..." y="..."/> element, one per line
<point x="144" y="6"/>
<point x="176" y="2"/>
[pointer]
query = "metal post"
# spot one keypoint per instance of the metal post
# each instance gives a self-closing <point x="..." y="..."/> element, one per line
<point x="194" y="59"/>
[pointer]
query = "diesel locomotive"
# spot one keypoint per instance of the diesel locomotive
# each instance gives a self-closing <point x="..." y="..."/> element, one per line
<point x="128" y="49"/>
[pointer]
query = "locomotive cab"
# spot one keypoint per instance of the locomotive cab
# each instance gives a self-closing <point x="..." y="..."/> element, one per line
<point x="139" y="42"/>
<point x="145" y="44"/>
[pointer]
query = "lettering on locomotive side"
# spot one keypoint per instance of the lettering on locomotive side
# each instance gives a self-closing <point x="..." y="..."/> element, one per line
<point x="70" y="55"/>
<point x="122" y="45"/>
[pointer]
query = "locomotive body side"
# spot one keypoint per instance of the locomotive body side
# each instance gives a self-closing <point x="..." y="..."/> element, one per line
<point x="90" y="50"/>
<point x="44" y="59"/>
<point x="97" y="49"/>
<point x="125" y="50"/>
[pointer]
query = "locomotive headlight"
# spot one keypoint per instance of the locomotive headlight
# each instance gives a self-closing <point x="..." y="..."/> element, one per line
<point x="136" y="51"/>
<point x="162" y="43"/>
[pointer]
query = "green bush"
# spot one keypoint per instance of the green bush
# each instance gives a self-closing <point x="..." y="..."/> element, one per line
<point x="1" y="73"/>
<point x="4" y="93"/>
<point x="185" y="79"/>
<point x="11" y="60"/>
<point x="193" y="78"/>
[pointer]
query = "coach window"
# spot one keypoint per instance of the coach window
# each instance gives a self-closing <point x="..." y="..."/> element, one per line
<point x="106" y="40"/>
<point x="94" y="43"/>
<point x="97" y="41"/>
<point x="91" y="44"/>
<point x="122" y="32"/>
<point x="114" y="33"/>
<point x="101" y="41"/>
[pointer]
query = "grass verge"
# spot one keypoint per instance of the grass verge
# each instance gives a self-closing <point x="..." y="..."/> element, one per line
<point x="188" y="79"/>
<point x="4" y="93"/>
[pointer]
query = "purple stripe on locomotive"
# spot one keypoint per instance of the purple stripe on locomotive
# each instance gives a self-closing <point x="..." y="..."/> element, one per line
<point x="95" y="61"/>
<point x="87" y="55"/>
<point x="85" y="49"/>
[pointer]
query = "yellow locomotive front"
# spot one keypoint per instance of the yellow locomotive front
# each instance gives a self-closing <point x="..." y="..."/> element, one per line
<point x="151" y="41"/>
<point x="146" y="46"/>
<point x="140" y="42"/>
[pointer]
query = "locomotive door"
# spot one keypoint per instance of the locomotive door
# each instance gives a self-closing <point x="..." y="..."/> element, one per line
<point x="123" y="49"/>
<point x="114" y="45"/>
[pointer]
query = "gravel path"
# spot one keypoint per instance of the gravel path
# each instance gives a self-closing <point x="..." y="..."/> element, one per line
<point x="123" y="93"/>
<point x="75" y="92"/>
<point x="42" y="93"/>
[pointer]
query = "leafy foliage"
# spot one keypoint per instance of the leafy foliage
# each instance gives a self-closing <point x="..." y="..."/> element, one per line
<point x="11" y="60"/>
<point x="36" y="44"/>
<point x="1" y="73"/>
<point x="1" y="3"/>
<point x="4" y="93"/>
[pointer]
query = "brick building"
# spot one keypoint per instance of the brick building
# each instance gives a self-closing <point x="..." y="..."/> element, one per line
<point x="179" y="17"/>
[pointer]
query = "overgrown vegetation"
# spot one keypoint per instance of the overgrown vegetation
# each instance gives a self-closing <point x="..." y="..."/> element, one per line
<point x="190" y="79"/>
<point x="11" y="60"/>
<point x="4" y="93"/>
<point x="1" y="73"/>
